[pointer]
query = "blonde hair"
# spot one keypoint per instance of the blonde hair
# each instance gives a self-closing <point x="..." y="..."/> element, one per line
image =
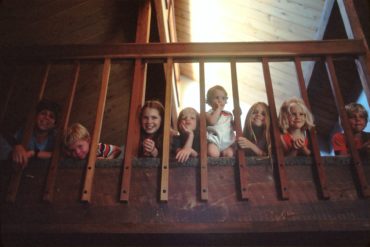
<point x="285" y="112"/>
<point x="248" y="131"/>
<point x="182" y="113"/>
<point x="75" y="132"/>
<point x="353" y="107"/>
<point x="211" y="92"/>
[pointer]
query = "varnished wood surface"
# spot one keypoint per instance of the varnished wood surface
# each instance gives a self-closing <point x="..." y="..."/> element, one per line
<point x="185" y="215"/>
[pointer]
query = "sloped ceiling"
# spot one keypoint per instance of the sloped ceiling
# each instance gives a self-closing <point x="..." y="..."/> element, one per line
<point x="251" y="20"/>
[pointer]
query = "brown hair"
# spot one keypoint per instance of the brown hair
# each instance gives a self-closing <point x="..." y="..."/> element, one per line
<point x="248" y="131"/>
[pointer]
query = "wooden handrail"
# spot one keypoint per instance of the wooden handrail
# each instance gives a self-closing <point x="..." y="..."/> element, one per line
<point x="251" y="51"/>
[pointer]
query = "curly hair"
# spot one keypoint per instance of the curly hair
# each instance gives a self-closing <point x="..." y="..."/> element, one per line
<point x="285" y="112"/>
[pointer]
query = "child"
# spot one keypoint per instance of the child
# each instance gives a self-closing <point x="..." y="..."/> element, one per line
<point x="256" y="133"/>
<point x="357" y="116"/>
<point x="294" y="120"/>
<point x="151" y="137"/>
<point x="187" y="143"/>
<point x="220" y="132"/>
<point x="42" y="140"/>
<point x="77" y="144"/>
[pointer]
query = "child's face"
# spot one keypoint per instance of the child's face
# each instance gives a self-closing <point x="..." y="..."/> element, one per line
<point x="259" y="116"/>
<point x="188" y="120"/>
<point x="357" y="121"/>
<point x="297" y="117"/>
<point x="79" y="149"/>
<point x="150" y="120"/>
<point x="219" y="99"/>
<point x="45" y="120"/>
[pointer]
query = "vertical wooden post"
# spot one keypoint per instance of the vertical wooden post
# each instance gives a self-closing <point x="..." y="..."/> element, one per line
<point x="357" y="163"/>
<point x="90" y="168"/>
<point x="51" y="177"/>
<point x="137" y="98"/>
<point x="319" y="169"/>
<point x="280" y="166"/>
<point x="166" y="132"/>
<point x="27" y="133"/>
<point x="203" y="135"/>
<point x="242" y="162"/>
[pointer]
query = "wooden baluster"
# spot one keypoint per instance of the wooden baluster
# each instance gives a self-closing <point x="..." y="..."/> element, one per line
<point x="357" y="163"/>
<point x="203" y="161"/>
<point x="51" y="177"/>
<point x="90" y="168"/>
<point x="137" y="98"/>
<point x="166" y="132"/>
<point x="281" y="171"/>
<point x="242" y="162"/>
<point x="27" y="133"/>
<point x="319" y="169"/>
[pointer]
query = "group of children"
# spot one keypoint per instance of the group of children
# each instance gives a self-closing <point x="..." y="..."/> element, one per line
<point x="294" y="120"/>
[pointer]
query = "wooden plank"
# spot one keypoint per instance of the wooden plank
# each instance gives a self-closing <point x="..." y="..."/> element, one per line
<point x="319" y="168"/>
<point x="203" y="135"/>
<point x="90" y="167"/>
<point x="51" y="177"/>
<point x="280" y="162"/>
<point x="166" y="132"/>
<point x="360" y="177"/>
<point x="242" y="163"/>
<point x="137" y="98"/>
<point x="183" y="51"/>
<point x="27" y="133"/>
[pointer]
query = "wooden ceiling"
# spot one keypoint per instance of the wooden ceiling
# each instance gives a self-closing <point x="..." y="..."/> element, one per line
<point x="251" y="20"/>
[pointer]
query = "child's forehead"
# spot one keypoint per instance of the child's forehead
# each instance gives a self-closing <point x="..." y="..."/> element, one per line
<point x="188" y="112"/>
<point x="218" y="91"/>
<point x="357" y="112"/>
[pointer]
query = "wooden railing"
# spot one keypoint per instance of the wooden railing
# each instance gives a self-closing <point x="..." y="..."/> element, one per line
<point x="142" y="54"/>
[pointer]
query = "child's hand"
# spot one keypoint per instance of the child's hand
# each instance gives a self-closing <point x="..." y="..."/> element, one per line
<point x="184" y="154"/>
<point x="149" y="148"/>
<point x="299" y="144"/>
<point x="186" y="130"/>
<point x="217" y="106"/>
<point x="244" y="142"/>
<point x="20" y="155"/>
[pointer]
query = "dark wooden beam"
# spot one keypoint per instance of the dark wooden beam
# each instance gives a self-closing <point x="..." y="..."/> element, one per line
<point x="188" y="51"/>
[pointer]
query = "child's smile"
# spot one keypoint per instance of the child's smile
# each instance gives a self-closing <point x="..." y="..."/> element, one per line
<point x="259" y="116"/>
<point x="150" y="120"/>
<point x="357" y="122"/>
<point x="297" y="118"/>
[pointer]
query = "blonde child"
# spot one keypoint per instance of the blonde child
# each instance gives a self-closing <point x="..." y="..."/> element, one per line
<point x="357" y="116"/>
<point x="256" y="133"/>
<point x="77" y="144"/>
<point x="294" y="120"/>
<point x="220" y="132"/>
<point x="151" y="117"/>
<point x="187" y="144"/>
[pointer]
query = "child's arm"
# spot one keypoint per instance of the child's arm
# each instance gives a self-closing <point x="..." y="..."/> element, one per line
<point x="214" y="115"/>
<point x="245" y="143"/>
<point x="186" y="151"/>
<point x="116" y="151"/>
